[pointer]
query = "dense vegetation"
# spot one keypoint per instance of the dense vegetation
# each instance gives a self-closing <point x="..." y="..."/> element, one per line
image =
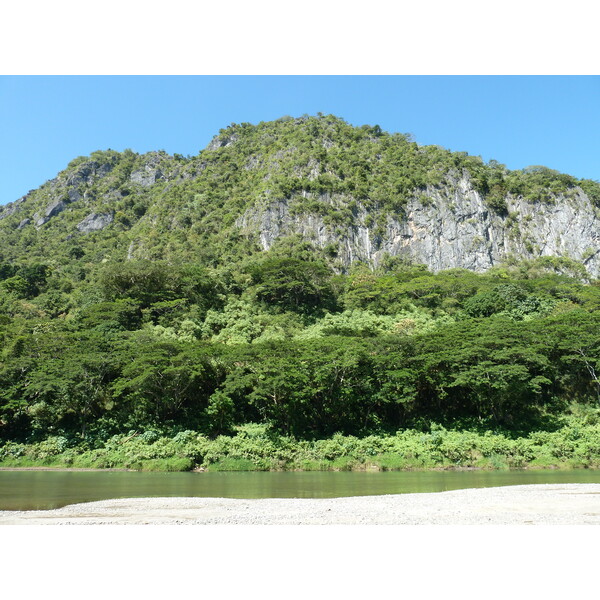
<point x="156" y="349"/>
<point x="174" y="207"/>
<point x="203" y="350"/>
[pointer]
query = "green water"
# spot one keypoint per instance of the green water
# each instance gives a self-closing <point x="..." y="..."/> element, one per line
<point x="37" y="490"/>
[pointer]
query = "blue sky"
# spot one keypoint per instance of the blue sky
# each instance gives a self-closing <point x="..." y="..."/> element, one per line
<point x="46" y="121"/>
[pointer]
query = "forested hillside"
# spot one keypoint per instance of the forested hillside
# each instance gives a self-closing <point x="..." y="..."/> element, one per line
<point x="357" y="194"/>
<point x="153" y="300"/>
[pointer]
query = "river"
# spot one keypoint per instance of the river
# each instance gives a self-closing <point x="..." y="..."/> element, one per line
<point x="40" y="490"/>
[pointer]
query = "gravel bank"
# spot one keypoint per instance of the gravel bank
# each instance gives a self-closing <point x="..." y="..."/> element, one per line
<point x="552" y="504"/>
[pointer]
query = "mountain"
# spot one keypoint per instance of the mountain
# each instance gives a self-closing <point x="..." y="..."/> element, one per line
<point x="302" y="278"/>
<point x="357" y="194"/>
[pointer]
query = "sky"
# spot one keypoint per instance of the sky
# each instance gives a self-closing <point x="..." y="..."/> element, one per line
<point x="47" y="120"/>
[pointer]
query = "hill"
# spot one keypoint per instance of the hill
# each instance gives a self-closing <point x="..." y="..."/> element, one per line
<point x="358" y="194"/>
<point x="301" y="291"/>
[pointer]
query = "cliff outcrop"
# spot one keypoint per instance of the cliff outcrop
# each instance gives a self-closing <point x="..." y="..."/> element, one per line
<point x="444" y="228"/>
<point x="356" y="193"/>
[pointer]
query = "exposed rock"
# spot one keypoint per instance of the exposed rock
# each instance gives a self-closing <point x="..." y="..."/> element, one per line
<point x="87" y="173"/>
<point x="54" y="208"/>
<point x="445" y="228"/>
<point x="222" y="141"/>
<point x="150" y="173"/>
<point x="73" y="195"/>
<point x="12" y="207"/>
<point x="146" y="176"/>
<point x="95" y="222"/>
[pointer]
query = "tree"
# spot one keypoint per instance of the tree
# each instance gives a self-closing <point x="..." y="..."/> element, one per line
<point x="164" y="382"/>
<point x="292" y="284"/>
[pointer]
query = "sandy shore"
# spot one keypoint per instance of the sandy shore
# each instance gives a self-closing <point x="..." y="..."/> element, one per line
<point x="560" y="504"/>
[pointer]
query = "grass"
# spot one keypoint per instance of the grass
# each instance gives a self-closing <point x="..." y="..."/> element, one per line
<point x="236" y="464"/>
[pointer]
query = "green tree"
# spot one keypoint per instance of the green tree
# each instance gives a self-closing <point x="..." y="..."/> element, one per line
<point x="293" y="284"/>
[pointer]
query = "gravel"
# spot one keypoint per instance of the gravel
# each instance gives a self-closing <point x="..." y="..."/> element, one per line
<point x="552" y="504"/>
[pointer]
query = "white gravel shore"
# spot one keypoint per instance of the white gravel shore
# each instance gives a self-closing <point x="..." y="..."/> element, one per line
<point x="552" y="504"/>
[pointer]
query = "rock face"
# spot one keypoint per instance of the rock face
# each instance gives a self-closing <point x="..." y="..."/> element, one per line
<point x="53" y="209"/>
<point x="95" y="222"/>
<point x="222" y="141"/>
<point x="447" y="225"/>
<point x="146" y="176"/>
<point x="446" y="228"/>
<point x="150" y="172"/>
<point x="11" y="208"/>
<point x="63" y="191"/>
<point x="87" y="173"/>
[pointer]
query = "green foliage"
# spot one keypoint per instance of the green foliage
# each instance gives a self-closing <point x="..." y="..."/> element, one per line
<point x="535" y="184"/>
<point x="173" y="208"/>
<point x="592" y="189"/>
<point x="242" y="321"/>
<point x="575" y="443"/>
<point x="169" y="338"/>
<point x="509" y="300"/>
<point x="26" y="281"/>
<point x="292" y="284"/>
<point x="482" y="349"/>
<point x="220" y="413"/>
<point x="122" y="314"/>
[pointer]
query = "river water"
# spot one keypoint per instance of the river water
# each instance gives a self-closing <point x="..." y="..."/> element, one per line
<point x="38" y="490"/>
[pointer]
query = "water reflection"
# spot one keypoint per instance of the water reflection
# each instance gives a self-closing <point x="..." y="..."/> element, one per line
<point x="36" y="490"/>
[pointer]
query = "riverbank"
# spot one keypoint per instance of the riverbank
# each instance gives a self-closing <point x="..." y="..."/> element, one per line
<point x="255" y="447"/>
<point x="64" y="469"/>
<point x="551" y="504"/>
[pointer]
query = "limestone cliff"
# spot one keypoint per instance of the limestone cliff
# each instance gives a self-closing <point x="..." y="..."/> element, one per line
<point x="357" y="193"/>
<point x="446" y="227"/>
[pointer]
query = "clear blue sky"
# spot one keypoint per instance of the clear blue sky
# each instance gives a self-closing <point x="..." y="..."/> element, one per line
<point x="46" y="121"/>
